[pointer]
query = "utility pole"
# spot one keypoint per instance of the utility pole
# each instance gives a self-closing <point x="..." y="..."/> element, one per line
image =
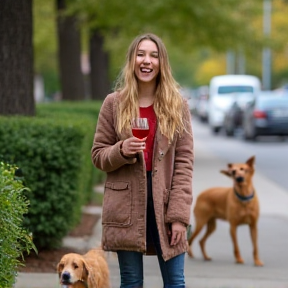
<point x="241" y="65"/>
<point x="266" y="53"/>
<point x="230" y="62"/>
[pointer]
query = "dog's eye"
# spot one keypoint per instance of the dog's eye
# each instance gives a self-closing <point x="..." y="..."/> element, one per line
<point x="241" y="169"/>
<point x="75" y="266"/>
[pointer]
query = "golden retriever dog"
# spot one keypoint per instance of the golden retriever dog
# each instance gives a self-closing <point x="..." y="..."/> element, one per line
<point x="84" y="271"/>
<point x="237" y="204"/>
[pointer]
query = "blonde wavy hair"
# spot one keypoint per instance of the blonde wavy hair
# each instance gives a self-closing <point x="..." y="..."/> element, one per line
<point x="168" y="103"/>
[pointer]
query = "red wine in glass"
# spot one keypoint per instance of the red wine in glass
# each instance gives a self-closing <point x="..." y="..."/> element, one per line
<point x="140" y="133"/>
<point x="140" y="127"/>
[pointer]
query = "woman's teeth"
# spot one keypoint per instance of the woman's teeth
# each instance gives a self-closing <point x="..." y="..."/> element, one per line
<point x="146" y="70"/>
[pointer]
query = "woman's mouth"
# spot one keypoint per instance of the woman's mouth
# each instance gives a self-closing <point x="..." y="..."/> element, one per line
<point x="146" y="70"/>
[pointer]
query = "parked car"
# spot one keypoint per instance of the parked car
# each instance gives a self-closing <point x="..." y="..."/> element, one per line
<point x="189" y="94"/>
<point x="283" y="88"/>
<point x="266" y="115"/>
<point x="221" y="95"/>
<point x="234" y="115"/>
<point x="202" y="103"/>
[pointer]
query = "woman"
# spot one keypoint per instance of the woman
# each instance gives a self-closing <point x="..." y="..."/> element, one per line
<point x="147" y="200"/>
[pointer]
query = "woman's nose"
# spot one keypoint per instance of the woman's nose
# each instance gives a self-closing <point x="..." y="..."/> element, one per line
<point x="147" y="60"/>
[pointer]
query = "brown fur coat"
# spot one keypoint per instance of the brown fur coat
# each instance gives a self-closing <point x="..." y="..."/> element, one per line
<point x="124" y="206"/>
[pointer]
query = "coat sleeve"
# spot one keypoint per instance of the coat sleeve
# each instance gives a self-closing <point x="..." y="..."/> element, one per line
<point x="105" y="151"/>
<point x="180" y="198"/>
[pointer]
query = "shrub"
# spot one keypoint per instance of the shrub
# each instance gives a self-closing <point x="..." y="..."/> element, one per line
<point x="53" y="152"/>
<point x="14" y="239"/>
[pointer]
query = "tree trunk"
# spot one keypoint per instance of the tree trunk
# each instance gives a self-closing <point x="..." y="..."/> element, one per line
<point x="99" y="63"/>
<point x="16" y="58"/>
<point x="72" y="80"/>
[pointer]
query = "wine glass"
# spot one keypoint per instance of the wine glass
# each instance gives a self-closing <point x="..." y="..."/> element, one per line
<point x="140" y="127"/>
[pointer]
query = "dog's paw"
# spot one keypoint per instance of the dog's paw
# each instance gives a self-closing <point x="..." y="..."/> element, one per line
<point x="239" y="261"/>
<point x="258" y="263"/>
<point x="190" y="254"/>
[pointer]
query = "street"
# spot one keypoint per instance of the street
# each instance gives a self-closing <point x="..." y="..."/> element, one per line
<point x="271" y="152"/>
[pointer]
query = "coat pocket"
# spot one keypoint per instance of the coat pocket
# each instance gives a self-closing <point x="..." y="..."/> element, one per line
<point x="117" y="204"/>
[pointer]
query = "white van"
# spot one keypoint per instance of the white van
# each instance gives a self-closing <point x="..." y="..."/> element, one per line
<point x="221" y="95"/>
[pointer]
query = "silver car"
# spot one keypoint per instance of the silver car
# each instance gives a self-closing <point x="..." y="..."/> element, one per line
<point x="267" y="114"/>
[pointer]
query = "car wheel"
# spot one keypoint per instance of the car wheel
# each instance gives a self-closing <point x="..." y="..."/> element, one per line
<point x="215" y="130"/>
<point x="229" y="132"/>
<point x="249" y="134"/>
<point x="253" y="134"/>
<point x="282" y="138"/>
<point x="246" y="135"/>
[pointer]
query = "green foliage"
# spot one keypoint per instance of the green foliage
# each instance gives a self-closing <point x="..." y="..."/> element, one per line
<point x="185" y="26"/>
<point x="53" y="152"/>
<point x="189" y="24"/>
<point x="45" y="44"/>
<point x="44" y="40"/>
<point x="14" y="239"/>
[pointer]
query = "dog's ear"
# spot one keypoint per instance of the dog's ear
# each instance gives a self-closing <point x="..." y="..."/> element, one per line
<point x="225" y="172"/>
<point x="251" y="161"/>
<point x="61" y="264"/>
<point x="60" y="267"/>
<point x="85" y="270"/>
<point x="88" y="275"/>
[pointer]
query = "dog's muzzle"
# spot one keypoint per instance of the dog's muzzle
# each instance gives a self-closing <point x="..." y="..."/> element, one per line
<point x="65" y="278"/>
<point x="239" y="179"/>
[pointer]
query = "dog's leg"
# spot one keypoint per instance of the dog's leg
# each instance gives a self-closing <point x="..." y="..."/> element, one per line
<point x="211" y="226"/>
<point x="199" y="226"/>
<point x="253" y="232"/>
<point x="237" y="255"/>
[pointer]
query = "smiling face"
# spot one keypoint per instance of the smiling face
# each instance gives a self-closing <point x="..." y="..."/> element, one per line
<point x="147" y="62"/>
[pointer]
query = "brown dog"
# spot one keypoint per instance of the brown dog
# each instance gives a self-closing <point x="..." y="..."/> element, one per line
<point x="82" y="271"/>
<point x="238" y="205"/>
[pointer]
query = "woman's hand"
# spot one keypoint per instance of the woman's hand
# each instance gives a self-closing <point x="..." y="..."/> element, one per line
<point x="131" y="146"/>
<point x="178" y="233"/>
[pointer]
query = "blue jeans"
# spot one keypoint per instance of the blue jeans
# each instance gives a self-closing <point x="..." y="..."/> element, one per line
<point x="131" y="262"/>
<point x="131" y="270"/>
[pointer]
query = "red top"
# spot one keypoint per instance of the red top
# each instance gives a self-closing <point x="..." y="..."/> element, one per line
<point x="148" y="112"/>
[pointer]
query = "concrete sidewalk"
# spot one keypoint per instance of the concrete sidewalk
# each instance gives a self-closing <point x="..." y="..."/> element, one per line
<point x="221" y="272"/>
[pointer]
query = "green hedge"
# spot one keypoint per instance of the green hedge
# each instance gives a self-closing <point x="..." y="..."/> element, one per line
<point x="83" y="114"/>
<point x="53" y="153"/>
<point x="14" y="239"/>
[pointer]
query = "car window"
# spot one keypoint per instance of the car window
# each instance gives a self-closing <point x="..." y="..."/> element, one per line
<point x="270" y="102"/>
<point x="234" y="89"/>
